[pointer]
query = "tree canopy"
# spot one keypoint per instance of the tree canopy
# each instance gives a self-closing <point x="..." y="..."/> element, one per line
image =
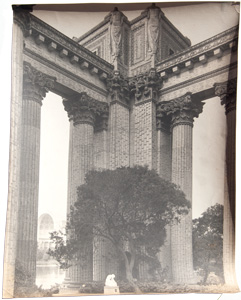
<point x="208" y="241"/>
<point x="124" y="205"/>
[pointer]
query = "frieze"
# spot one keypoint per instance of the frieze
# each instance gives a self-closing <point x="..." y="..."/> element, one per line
<point x="83" y="109"/>
<point x="35" y="83"/>
<point x="69" y="44"/>
<point x="181" y="111"/>
<point x="227" y="93"/>
<point x="200" y="48"/>
<point x="145" y="86"/>
<point x="118" y="88"/>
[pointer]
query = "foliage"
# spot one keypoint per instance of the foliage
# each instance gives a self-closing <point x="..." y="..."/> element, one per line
<point x="126" y="205"/>
<point x="208" y="242"/>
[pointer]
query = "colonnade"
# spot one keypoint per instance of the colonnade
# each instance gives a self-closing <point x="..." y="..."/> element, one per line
<point x="100" y="137"/>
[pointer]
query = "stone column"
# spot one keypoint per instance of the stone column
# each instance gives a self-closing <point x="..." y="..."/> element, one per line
<point x="182" y="111"/>
<point x="100" y="245"/>
<point x="35" y="86"/>
<point x="227" y="93"/>
<point x="20" y="29"/>
<point x="82" y="111"/>
<point x="164" y="167"/>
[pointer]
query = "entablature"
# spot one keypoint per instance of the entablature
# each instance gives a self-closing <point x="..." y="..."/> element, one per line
<point x="67" y="47"/>
<point x="199" y="52"/>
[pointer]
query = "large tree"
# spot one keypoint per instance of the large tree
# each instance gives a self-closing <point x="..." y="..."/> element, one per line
<point x="208" y="241"/>
<point x="126" y="205"/>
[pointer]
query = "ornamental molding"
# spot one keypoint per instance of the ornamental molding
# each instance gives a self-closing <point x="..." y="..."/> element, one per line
<point x="180" y="111"/>
<point x="145" y="87"/>
<point x="83" y="109"/>
<point x="35" y="83"/>
<point x="201" y="48"/>
<point x="64" y="42"/>
<point x="118" y="88"/>
<point x="227" y="93"/>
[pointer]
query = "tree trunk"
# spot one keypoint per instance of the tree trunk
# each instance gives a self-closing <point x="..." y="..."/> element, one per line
<point x="129" y="267"/>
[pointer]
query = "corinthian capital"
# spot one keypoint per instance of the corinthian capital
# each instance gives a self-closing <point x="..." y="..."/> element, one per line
<point x="35" y="83"/>
<point x="181" y="111"/>
<point x="227" y="93"/>
<point x="83" y="109"/>
<point x="118" y="88"/>
<point x="146" y="86"/>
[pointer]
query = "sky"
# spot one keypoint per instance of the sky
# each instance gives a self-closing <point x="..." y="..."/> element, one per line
<point x="198" y="23"/>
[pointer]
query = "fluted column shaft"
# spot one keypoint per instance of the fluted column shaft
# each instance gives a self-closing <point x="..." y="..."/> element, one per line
<point x="181" y="233"/>
<point x="83" y="112"/>
<point x="181" y="112"/>
<point x="227" y="93"/>
<point x="164" y="167"/>
<point x="81" y="140"/>
<point x="35" y="86"/>
<point x="14" y="167"/>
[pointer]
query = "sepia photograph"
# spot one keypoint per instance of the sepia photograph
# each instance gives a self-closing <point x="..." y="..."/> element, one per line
<point x="122" y="149"/>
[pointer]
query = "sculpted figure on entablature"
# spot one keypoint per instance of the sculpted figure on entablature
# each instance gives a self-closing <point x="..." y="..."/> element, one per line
<point x="153" y="27"/>
<point x="116" y="22"/>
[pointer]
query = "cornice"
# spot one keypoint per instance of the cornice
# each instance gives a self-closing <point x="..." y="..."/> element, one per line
<point x="64" y="42"/>
<point x="97" y="27"/>
<point x="208" y="45"/>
